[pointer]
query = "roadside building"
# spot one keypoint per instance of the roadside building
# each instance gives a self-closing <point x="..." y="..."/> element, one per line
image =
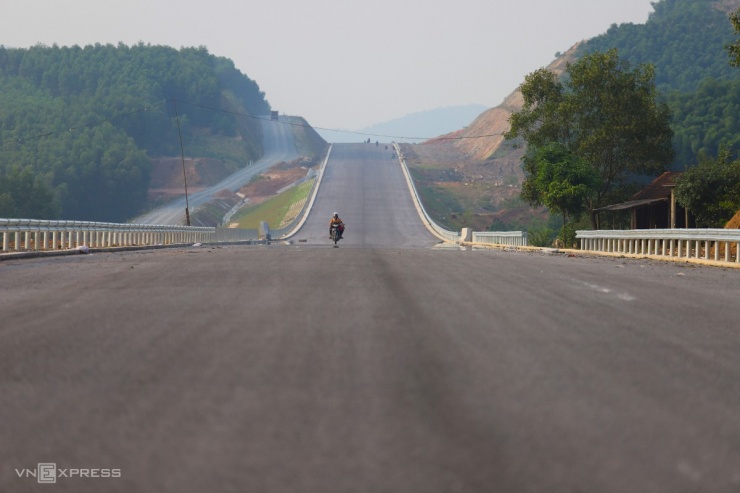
<point x="655" y="206"/>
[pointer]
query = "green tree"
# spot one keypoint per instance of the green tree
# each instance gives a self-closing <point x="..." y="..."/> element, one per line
<point x="602" y="112"/>
<point x="558" y="180"/>
<point x="734" y="48"/>
<point x="25" y="195"/>
<point x="711" y="190"/>
<point x="73" y="119"/>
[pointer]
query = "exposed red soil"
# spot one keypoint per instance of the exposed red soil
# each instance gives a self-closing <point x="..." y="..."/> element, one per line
<point x="271" y="182"/>
<point x="734" y="223"/>
<point x="167" y="176"/>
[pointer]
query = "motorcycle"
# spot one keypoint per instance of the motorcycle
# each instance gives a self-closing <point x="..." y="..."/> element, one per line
<point x="335" y="236"/>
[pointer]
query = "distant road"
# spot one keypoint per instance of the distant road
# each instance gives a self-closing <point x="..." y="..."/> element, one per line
<point x="386" y="365"/>
<point x="278" y="146"/>
<point x="365" y="185"/>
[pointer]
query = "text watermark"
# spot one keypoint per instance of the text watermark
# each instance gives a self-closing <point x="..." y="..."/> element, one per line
<point x="48" y="472"/>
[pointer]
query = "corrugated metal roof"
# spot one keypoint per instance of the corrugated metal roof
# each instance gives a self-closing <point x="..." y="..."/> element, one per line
<point x="658" y="191"/>
<point x="630" y="204"/>
<point x="659" y="188"/>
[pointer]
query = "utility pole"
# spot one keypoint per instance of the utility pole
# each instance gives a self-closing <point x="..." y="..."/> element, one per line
<point x="182" y="155"/>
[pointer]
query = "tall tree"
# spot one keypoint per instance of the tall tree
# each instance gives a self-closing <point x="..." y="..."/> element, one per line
<point x="603" y="112"/>
<point x="734" y="48"/>
<point x="83" y="122"/>
<point x="711" y="190"/>
<point x="558" y="180"/>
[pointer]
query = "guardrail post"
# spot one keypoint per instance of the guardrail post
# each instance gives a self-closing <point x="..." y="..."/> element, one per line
<point x="716" y="250"/>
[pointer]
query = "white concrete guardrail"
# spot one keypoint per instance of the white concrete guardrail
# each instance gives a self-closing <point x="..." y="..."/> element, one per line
<point x="35" y="235"/>
<point x="708" y="244"/>
<point x="509" y="238"/>
<point x="428" y="222"/>
<point x="223" y="235"/>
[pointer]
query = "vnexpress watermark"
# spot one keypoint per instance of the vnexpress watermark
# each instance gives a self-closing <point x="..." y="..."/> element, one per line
<point x="48" y="472"/>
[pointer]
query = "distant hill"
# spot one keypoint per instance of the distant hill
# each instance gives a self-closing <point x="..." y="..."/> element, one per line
<point x="424" y="124"/>
<point x="685" y="40"/>
<point x="79" y="127"/>
<point x="476" y="180"/>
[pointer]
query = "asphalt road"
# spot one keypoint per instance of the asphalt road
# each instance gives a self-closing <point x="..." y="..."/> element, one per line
<point x="278" y="146"/>
<point x="369" y="368"/>
<point x="366" y="186"/>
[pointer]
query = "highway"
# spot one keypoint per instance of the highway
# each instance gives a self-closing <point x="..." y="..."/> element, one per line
<point x="384" y="365"/>
<point x="278" y="146"/>
<point x="365" y="185"/>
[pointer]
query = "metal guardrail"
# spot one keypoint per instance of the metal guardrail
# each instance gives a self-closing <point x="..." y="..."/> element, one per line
<point x="510" y="238"/>
<point x="440" y="231"/>
<point x="235" y="234"/>
<point x="709" y="244"/>
<point x="34" y="235"/>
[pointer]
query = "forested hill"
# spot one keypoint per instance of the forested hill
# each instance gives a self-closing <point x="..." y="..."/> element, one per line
<point x="78" y="126"/>
<point x="685" y="41"/>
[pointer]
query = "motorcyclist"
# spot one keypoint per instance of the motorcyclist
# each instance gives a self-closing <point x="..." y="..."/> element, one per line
<point x="340" y="225"/>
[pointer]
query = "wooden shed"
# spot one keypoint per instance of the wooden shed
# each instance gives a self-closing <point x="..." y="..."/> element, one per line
<point x="655" y="207"/>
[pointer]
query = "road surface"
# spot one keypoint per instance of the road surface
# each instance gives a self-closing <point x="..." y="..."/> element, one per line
<point x="366" y="368"/>
<point x="366" y="186"/>
<point x="278" y="146"/>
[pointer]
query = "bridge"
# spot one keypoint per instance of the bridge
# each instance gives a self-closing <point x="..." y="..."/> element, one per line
<point x="391" y="363"/>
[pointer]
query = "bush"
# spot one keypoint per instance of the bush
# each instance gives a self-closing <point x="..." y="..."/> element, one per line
<point x="541" y="237"/>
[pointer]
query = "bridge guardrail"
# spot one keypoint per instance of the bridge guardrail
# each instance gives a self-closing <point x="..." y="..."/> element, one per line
<point x="709" y="244"/>
<point x="35" y="234"/>
<point x="509" y="238"/>
<point x="436" y="228"/>
<point x="235" y="234"/>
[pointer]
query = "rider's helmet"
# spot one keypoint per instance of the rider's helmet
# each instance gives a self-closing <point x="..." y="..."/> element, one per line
<point x="336" y="215"/>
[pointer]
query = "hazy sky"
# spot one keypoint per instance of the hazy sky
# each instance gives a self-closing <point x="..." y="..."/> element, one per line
<point x="341" y="63"/>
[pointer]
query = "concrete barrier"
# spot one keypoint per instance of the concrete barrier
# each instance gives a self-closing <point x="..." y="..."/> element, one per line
<point x="720" y="245"/>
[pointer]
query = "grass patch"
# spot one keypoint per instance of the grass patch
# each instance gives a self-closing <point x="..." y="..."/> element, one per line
<point x="274" y="210"/>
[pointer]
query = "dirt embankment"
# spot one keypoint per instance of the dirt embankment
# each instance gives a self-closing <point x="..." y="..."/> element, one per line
<point x="734" y="223"/>
<point x="267" y="184"/>
<point x="167" y="176"/>
<point x="481" y="139"/>
<point x="261" y="188"/>
<point x="475" y="173"/>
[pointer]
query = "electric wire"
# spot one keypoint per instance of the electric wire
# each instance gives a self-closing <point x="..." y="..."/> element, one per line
<point x="4" y="143"/>
<point x="337" y="130"/>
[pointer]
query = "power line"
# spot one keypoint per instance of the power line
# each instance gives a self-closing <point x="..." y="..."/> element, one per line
<point x="21" y="140"/>
<point x="81" y="126"/>
<point x="336" y="130"/>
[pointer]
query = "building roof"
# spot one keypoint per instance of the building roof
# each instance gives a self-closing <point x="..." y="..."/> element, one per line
<point x="630" y="204"/>
<point x="660" y="188"/>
